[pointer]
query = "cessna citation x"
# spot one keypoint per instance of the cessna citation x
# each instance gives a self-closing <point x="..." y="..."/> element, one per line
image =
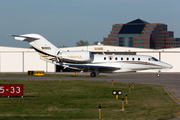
<point x="86" y="61"/>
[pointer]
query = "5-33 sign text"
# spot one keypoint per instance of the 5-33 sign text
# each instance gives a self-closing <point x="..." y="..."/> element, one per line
<point x="11" y="89"/>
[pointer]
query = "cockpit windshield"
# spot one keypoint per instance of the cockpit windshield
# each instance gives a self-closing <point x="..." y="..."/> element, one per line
<point x="153" y="59"/>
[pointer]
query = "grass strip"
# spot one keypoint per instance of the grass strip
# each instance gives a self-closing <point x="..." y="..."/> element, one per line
<point x="80" y="100"/>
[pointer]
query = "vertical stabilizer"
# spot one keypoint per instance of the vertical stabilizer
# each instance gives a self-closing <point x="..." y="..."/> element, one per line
<point x="40" y="44"/>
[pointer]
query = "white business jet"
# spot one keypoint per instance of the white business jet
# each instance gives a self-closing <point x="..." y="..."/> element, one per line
<point x="86" y="61"/>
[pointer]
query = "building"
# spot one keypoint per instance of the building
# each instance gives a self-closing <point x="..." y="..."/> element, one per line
<point x="14" y="59"/>
<point x="141" y="34"/>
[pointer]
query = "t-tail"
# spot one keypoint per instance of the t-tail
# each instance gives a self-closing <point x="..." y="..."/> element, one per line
<point x="44" y="48"/>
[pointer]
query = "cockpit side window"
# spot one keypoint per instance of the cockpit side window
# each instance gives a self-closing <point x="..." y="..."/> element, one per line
<point x="152" y="59"/>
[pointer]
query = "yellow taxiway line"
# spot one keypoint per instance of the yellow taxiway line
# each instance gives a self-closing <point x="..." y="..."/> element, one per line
<point x="176" y="99"/>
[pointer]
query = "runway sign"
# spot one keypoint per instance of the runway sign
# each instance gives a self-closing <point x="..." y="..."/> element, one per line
<point x="11" y="89"/>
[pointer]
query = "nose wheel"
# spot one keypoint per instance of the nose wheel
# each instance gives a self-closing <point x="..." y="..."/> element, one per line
<point x="158" y="74"/>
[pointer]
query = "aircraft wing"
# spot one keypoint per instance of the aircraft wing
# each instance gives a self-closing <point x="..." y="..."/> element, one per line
<point x="100" y="67"/>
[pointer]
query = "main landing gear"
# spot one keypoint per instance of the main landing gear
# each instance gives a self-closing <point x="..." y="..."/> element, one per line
<point x="93" y="74"/>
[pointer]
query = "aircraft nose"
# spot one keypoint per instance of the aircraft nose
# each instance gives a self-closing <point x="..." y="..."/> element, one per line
<point x="168" y="66"/>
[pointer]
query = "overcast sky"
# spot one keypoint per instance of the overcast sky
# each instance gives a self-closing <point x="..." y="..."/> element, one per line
<point x="65" y="22"/>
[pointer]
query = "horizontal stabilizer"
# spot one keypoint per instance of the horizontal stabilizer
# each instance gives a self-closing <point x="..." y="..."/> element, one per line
<point x="24" y="38"/>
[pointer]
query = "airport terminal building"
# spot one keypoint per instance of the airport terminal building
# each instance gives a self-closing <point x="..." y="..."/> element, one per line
<point x="26" y="59"/>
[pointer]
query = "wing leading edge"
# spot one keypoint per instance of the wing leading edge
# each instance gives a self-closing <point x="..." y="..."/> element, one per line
<point x="100" y="67"/>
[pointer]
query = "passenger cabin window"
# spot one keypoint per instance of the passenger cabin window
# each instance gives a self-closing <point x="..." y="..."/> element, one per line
<point x="104" y="58"/>
<point x="116" y="58"/>
<point x="133" y="59"/>
<point x="127" y="58"/>
<point x="121" y="58"/>
<point x="138" y="58"/>
<point x="110" y="58"/>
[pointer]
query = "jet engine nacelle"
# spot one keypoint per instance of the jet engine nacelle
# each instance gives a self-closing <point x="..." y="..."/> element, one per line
<point x="76" y="56"/>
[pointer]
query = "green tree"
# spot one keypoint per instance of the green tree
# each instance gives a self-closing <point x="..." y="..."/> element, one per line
<point x="95" y="43"/>
<point x="82" y="43"/>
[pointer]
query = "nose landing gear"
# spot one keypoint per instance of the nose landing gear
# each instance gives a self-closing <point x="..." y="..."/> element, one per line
<point x="158" y="74"/>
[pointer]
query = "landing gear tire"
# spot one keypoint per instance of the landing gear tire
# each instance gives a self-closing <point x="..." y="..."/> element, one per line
<point x="158" y="75"/>
<point x="93" y="74"/>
